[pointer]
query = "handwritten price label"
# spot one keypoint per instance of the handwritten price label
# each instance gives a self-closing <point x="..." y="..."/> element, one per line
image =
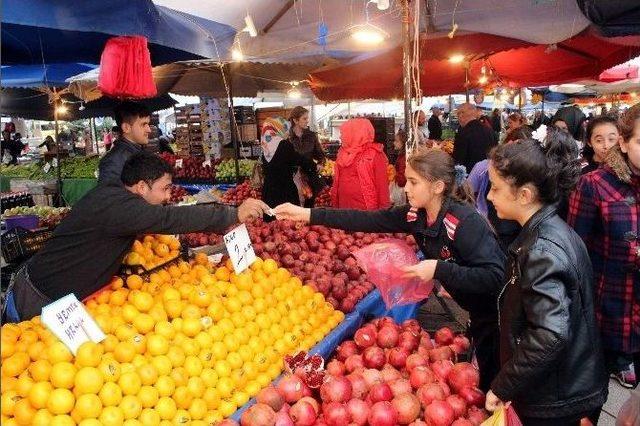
<point x="240" y="248"/>
<point x="46" y="167"/>
<point x="179" y="163"/>
<point x="70" y="322"/>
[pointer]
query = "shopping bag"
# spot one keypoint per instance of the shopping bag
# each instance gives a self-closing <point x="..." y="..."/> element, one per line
<point x="503" y="416"/>
<point x="629" y="414"/>
<point x="397" y="195"/>
<point x="383" y="262"/>
<point x="125" y="68"/>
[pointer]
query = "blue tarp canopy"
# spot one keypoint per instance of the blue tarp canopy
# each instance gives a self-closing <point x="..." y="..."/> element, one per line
<point x="67" y="31"/>
<point x="43" y="75"/>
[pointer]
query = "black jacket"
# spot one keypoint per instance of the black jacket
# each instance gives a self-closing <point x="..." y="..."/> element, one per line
<point x="552" y="362"/>
<point x="435" y="128"/>
<point x="88" y="246"/>
<point x="308" y="145"/>
<point x="110" y="167"/>
<point x="472" y="144"/>
<point x="470" y="263"/>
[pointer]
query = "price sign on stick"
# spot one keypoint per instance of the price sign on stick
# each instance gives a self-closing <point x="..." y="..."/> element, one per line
<point x="239" y="248"/>
<point x="70" y="322"/>
<point x="46" y="167"/>
<point x="54" y="162"/>
<point x="179" y="163"/>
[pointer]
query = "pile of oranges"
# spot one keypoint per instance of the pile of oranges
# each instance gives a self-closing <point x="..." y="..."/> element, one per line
<point x="188" y="346"/>
<point x="391" y="173"/>
<point x="153" y="251"/>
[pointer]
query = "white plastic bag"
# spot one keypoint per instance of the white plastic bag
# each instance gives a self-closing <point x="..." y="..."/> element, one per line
<point x="629" y="414"/>
<point x="397" y="195"/>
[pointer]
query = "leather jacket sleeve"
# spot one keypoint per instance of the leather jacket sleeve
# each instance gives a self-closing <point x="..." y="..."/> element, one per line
<point x="545" y="331"/>
<point x="110" y="167"/>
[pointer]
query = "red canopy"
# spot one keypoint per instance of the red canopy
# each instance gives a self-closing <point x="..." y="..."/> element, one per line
<point x="622" y="72"/>
<point x="515" y="62"/>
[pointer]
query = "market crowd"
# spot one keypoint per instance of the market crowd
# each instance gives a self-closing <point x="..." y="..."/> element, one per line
<point x="536" y="237"/>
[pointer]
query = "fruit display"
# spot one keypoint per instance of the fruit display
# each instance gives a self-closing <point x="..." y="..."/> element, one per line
<point x="236" y="195"/>
<point x="389" y="375"/>
<point x="447" y="146"/>
<point x="197" y="239"/>
<point x="178" y="193"/>
<point x="327" y="168"/>
<point x="323" y="199"/>
<point x="49" y="216"/>
<point x="192" y="168"/>
<point x="391" y="173"/>
<point x="72" y="168"/>
<point x="189" y="346"/>
<point x="152" y="251"/>
<point x="226" y="169"/>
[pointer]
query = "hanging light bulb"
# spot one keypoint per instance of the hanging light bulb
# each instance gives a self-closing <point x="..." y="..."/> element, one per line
<point x="456" y="59"/>
<point x="382" y="4"/>
<point x="62" y="109"/>
<point x="369" y="34"/>
<point x="294" y="93"/>
<point x="236" y="54"/>
<point x="483" y="79"/>
<point x="81" y="107"/>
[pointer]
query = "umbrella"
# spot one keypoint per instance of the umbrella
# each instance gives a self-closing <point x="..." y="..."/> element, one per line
<point x="512" y="63"/>
<point x="44" y="31"/>
<point x="33" y="76"/>
<point x="205" y="78"/>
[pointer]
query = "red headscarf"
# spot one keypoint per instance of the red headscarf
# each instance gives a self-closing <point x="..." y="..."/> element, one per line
<point x="357" y="136"/>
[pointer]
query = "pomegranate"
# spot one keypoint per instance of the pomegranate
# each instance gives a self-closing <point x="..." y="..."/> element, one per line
<point x="388" y="336"/>
<point x="373" y="357"/>
<point x="462" y="375"/>
<point x="271" y="397"/>
<point x="461" y="422"/>
<point x="442" y="368"/>
<point x="228" y="422"/>
<point x="415" y="360"/>
<point x="335" y="368"/>
<point x="398" y="357"/>
<point x="420" y="375"/>
<point x="359" y="411"/>
<point x="439" y="413"/>
<point x="425" y="341"/>
<point x="313" y="402"/>
<point x="443" y="352"/>
<point x="359" y="387"/>
<point x="380" y="392"/>
<point x="458" y="404"/>
<point x="336" y="414"/>
<point x="460" y="344"/>
<point x="476" y="415"/>
<point x="371" y="377"/>
<point x="282" y="419"/>
<point x="390" y="374"/>
<point x="336" y="389"/>
<point x="353" y="363"/>
<point x="302" y="413"/>
<point x="408" y="407"/>
<point x="429" y="393"/>
<point x="444" y="336"/>
<point x="346" y="349"/>
<point x="383" y="414"/>
<point x="291" y="388"/>
<point x="400" y="386"/>
<point x="258" y="415"/>
<point x="473" y="396"/>
<point x="412" y="325"/>
<point x="365" y="337"/>
<point x="408" y="341"/>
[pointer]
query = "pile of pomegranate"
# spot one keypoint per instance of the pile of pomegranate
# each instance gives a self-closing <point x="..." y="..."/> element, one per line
<point x="177" y="194"/>
<point x="389" y="374"/>
<point x="192" y="168"/>
<point x="197" y="239"/>
<point x="323" y="199"/>
<point x="236" y="195"/>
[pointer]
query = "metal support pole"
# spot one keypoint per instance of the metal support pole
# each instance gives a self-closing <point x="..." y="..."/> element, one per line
<point x="233" y="124"/>
<point x="466" y="81"/>
<point x="56" y="104"/>
<point x="406" y="76"/>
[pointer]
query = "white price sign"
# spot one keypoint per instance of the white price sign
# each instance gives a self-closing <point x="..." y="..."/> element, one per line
<point x="179" y="163"/>
<point x="69" y="321"/>
<point x="46" y="167"/>
<point x="206" y="163"/>
<point x="54" y="162"/>
<point x="239" y="248"/>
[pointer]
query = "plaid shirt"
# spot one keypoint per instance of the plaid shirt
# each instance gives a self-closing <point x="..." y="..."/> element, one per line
<point x="605" y="212"/>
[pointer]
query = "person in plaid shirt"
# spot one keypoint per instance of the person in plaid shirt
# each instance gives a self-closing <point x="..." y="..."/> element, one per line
<point x="604" y="210"/>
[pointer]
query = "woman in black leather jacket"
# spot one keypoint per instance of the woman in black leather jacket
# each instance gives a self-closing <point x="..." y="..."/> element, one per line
<point x="552" y="364"/>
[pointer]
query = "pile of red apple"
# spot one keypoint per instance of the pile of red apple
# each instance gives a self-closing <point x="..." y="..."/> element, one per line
<point x="192" y="168"/>
<point x="236" y="195"/>
<point x="319" y="256"/>
<point x="323" y="199"/>
<point x="177" y="194"/>
<point x="388" y="375"/>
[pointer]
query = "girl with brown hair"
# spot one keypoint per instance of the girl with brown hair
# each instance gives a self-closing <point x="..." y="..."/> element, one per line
<point x="461" y="250"/>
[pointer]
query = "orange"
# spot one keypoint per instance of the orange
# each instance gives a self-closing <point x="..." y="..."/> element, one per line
<point x="134" y="282"/>
<point x="164" y="328"/>
<point x="223" y="273"/>
<point x="269" y="266"/>
<point x="193" y="365"/>
<point x="124" y="352"/>
<point x="149" y="417"/>
<point x="148" y="396"/>
<point x="191" y="326"/>
<point x="201" y="259"/>
<point x="130" y="383"/>
<point x="61" y="401"/>
<point x="173" y="307"/>
<point x="110" y="394"/>
<point x="88" y="380"/>
<point x="130" y="406"/>
<point x="88" y="406"/>
<point x="182" y="397"/>
<point x="116" y="283"/>
<point x="166" y="408"/>
<point x="211" y="397"/>
<point x="89" y="354"/>
<point x="23" y="385"/>
<point x="36" y="350"/>
<point x="157" y="344"/>
<point x="110" y="370"/>
<point x="15" y="364"/>
<point x="63" y="375"/>
<point x="198" y="409"/>
<point x="8" y="383"/>
<point x="148" y="374"/>
<point x="144" y="323"/>
<point x="143" y="301"/>
<point x="8" y="402"/>
<point x="23" y="412"/>
<point x="111" y="416"/>
<point x="39" y="394"/>
<point x="179" y="376"/>
<point x="162" y="250"/>
<point x="165" y="386"/>
<point x="177" y="356"/>
<point x="196" y="386"/>
<point x="118" y="297"/>
<point x="42" y="418"/>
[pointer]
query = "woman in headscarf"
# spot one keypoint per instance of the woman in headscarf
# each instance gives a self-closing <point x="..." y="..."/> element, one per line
<point x="360" y="175"/>
<point x="280" y="161"/>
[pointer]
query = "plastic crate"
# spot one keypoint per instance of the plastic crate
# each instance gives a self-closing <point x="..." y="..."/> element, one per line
<point x="20" y="244"/>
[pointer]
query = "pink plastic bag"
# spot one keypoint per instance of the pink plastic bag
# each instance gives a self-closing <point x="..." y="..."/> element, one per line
<point x="382" y="261"/>
<point x="629" y="414"/>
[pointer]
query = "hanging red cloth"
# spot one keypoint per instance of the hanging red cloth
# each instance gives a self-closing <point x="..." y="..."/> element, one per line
<point x="125" y="68"/>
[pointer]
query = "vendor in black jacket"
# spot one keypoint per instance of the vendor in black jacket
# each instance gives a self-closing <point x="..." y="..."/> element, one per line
<point x="133" y="120"/>
<point x="461" y="250"/>
<point x="88" y="246"/>
<point x="552" y="362"/>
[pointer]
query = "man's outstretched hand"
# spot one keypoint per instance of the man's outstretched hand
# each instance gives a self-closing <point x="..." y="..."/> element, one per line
<point x="252" y="209"/>
<point x="292" y="212"/>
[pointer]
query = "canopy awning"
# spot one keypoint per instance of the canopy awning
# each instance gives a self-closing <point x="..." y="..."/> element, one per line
<point x="46" y="75"/>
